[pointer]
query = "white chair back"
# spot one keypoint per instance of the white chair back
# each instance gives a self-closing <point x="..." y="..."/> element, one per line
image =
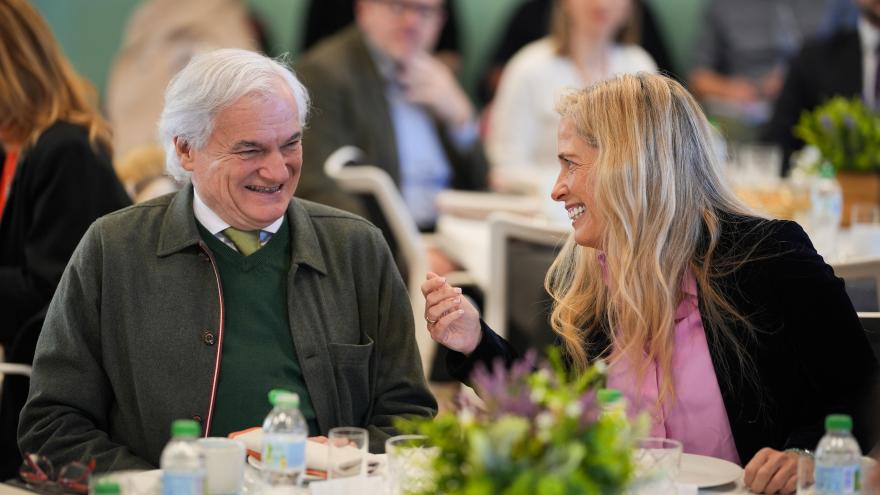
<point x="368" y="179"/>
<point x="505" y="228"/>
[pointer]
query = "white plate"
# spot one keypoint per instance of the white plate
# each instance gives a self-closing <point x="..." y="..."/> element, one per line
<point x="704" y="471"/>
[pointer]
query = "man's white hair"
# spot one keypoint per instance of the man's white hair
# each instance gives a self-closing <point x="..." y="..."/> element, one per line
<point x="208" y="84"/>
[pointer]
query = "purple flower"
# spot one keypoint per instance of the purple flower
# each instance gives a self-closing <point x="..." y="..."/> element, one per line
<point x="826" y="122"/>
<point x="849" y="121"/>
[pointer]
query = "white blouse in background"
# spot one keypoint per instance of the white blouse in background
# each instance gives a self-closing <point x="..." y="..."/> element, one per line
<point x="523" y="122"/>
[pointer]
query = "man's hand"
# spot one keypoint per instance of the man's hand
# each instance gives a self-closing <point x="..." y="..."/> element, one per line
<point x="452" y="320"/>
<point x="772" y="471"/>
<point x="429" y="82"/>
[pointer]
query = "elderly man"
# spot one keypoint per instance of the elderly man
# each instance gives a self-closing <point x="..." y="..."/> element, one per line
<point x="194" y="305"/>
<point x="375" y="86"/>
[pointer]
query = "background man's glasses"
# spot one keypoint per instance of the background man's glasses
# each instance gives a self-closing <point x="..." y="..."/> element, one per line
<point x="400" y="7"/>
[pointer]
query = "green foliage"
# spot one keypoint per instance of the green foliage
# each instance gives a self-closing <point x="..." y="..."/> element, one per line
<point x="846" y="133"/>
<point x="539" y="432"/>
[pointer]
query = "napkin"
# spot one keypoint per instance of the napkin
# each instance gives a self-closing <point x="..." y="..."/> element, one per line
<point x="316" y="453"/>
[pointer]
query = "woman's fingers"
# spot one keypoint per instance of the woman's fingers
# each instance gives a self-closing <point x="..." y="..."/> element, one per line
<point x="441" y="331"/>
<point x="771" y="471"/>
<point x="437" y="296"/>
<point x="437" y="311"/>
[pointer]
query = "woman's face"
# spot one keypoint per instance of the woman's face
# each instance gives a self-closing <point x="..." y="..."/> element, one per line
<point x="596" y="19"/>
<point x="575" y="185"/>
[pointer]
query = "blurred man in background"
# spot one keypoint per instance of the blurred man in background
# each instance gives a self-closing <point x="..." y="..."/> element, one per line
<point x="376" y="86"/>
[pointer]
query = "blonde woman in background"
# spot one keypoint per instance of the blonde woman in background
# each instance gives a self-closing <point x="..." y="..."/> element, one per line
<point x="580" y="51"/>
<point x="56" y="179"/>
<point x="728" y="329"/>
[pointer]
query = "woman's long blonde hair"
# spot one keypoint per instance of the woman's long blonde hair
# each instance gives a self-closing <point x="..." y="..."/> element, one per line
<point x="38" y="86"/>
<point x="658" y="182"/>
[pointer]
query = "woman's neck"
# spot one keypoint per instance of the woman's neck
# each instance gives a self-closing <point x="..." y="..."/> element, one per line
<point x="590" y="55"/>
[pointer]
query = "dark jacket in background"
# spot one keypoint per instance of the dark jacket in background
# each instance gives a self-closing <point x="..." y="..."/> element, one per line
<point x="808" y="349"/>
<point x="62" y="184"/>
<point x="824" y="68"/>
<point x="350" y="108"/>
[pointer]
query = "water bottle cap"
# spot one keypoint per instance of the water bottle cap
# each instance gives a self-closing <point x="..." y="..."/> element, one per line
<point x="278" y="397"/>
<point x="185" y="428"/>
<point x="826" y="170"/>
<point x="607" y="396"/>
<point x="838" y="422"/>
<point x="107" y="487"/>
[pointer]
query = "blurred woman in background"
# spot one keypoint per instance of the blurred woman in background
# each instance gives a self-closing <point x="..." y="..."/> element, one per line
<point x="57" y="178"/>
<point x="728" y="329"/>
<point x="580" y="51"/>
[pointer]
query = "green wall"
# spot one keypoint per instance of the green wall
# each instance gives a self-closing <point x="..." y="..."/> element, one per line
<point x="90" y="30"/>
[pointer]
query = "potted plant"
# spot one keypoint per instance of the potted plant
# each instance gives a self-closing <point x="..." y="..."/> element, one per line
<point x="539" y="431"/>
<point x="846" y="134"/>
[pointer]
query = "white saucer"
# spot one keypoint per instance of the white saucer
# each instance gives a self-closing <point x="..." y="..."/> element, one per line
<point x="704" y="471"/>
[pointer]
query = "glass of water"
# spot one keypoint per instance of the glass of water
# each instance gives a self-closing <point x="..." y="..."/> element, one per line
<point x="410" y="464"/>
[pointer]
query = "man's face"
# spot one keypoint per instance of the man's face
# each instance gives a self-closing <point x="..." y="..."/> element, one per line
<point x="870" y="10"/>
<point x="250" y="167"/>
<point x="401" y="28"/>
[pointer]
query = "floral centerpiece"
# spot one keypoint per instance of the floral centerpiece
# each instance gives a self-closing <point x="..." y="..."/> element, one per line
<point x="539" y="431"/>
<point x="845" y="132"/>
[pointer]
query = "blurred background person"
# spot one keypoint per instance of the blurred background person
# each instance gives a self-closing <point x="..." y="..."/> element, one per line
<point x="326" y="17"/>
<point x="376" y="86"/>
<point x="581" y="51"/>
<point x="57" y="178"/>
<point x="842" y="64"/>
<point x="531" y="22"/>
<point x="160" y="38"/>
<point x="740" y="57"/>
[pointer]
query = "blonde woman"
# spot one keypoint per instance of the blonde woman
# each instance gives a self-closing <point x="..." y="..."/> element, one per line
<point x="728" y="329"/>
<point x="56" y="179"/>
<point x="580" y="51"/>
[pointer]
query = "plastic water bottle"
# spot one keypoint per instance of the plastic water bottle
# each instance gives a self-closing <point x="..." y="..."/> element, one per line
<point x="838" y="458"/>
<point x="284" y="441"/>
<point x="182" y="462"/>
<point x="106" y="487"/>
<point x="826" y="209"/>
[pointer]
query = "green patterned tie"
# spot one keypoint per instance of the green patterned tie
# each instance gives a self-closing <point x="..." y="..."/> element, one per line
<point x="247" y="241"/>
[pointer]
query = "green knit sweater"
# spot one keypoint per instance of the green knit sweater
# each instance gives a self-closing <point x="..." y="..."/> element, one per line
<point x="258" y="351"/>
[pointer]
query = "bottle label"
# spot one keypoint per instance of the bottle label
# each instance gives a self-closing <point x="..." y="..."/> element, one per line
<point x="284" y="452"/>
<point x="183" y="483"/>
<point x="839" y="479"/>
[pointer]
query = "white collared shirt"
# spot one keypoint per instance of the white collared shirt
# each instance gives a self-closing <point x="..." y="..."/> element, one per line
<point x="216" y="225"/>
<point x="869" y="36"/>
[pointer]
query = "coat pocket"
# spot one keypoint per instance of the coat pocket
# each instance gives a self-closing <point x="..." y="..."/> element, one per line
<point x="352" y="370"/>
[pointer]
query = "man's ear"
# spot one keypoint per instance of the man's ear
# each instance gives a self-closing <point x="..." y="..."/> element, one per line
<point x="184" y="153"/>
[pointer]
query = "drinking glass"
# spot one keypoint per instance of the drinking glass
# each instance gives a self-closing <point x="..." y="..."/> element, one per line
<point x="657" y="462"/>
<point x="410" y="459"/>
<point x="864" y="229"/>
<point x="347" y="452"/>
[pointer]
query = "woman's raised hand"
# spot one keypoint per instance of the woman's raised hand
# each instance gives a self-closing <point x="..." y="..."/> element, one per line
<point x="452" y="320"/>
